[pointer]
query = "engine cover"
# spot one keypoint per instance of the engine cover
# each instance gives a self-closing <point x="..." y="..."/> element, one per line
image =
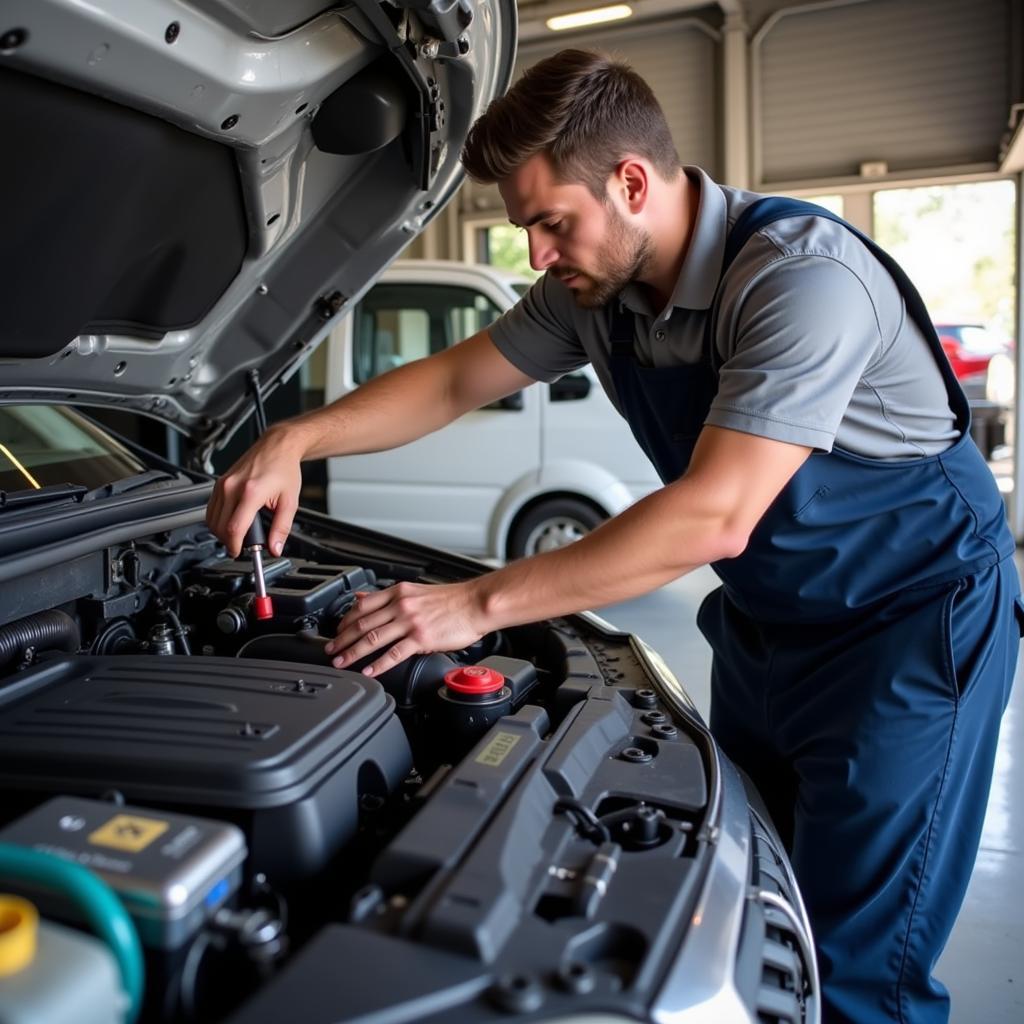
<point x="284" y="751"/>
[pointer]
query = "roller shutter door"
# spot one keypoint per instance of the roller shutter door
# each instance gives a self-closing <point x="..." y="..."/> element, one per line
<point x="920" y="84"/>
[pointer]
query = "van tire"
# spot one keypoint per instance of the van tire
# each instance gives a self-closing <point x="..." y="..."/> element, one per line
<point x="550" y="524"/>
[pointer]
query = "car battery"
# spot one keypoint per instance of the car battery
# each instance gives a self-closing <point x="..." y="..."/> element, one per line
<point x="286" y="752"/>
<point x="171" y="871"/>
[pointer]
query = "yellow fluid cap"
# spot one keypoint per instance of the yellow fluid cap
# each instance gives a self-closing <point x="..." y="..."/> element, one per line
<point x="19" y="926"/>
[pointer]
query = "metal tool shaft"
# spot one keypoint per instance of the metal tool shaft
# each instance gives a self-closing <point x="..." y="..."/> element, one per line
<point x="254" y="542"/>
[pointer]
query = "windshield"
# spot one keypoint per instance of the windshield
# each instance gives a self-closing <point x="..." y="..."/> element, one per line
<point x="42" y="445"/>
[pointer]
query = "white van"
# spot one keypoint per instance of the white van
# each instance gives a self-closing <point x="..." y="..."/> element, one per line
<point x="527" y="474"/>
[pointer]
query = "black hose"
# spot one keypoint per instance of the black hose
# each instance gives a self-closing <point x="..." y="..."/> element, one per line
<point x="179" y="630"/>
<point x="306" y="646"/>
<point x="586" y="822"/>
<point x="43" y="631"/>
<point x="408" y="682"/>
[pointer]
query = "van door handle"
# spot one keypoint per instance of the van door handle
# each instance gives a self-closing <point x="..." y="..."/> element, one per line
<point x="570" y="388"/>
<point x="513" y="401"/>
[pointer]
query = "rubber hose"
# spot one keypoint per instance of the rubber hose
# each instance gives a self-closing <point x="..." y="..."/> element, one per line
<point x="306" y="647"/>
<point x="98" y="902"/>
<point x="46" y="630"/>
<point x="180" y="633"/>
<point x="408" y="683"/>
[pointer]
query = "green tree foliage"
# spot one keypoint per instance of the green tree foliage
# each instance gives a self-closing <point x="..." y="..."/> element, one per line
<point x="957" y="244"/>
<point x="508" y="249"/>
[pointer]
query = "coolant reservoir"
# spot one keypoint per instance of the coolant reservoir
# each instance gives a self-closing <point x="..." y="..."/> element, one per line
<point x="50" y="974"/>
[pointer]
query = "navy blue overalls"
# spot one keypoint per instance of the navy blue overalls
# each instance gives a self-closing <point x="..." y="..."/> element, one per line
<point x="864" y="647"/>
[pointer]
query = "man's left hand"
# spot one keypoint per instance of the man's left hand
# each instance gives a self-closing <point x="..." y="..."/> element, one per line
<point x="413" y="618"/>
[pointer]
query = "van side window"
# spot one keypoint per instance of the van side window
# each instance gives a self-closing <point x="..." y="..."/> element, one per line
<point x="397" y="323"/>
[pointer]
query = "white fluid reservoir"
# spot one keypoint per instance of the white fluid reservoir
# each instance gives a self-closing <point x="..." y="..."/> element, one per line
<point x="50" y="974"/>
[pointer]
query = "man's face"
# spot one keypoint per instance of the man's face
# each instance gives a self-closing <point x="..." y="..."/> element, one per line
<point x="584" y="242"/>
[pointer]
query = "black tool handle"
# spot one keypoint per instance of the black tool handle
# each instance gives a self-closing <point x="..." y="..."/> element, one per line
<point x="255" y="535"/>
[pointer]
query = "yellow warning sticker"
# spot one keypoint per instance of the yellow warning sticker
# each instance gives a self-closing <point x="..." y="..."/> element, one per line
<point x="129" y="832"/>
<point x="498" y="749"/>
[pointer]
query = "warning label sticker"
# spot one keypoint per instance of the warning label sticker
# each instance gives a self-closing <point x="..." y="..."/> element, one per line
<point x="129" y="832"/>
<point x="498" y="749"/>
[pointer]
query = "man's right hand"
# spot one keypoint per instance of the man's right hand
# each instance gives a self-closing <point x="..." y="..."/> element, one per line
<point x="393" y="409"/>
<point x="268" y="475"/>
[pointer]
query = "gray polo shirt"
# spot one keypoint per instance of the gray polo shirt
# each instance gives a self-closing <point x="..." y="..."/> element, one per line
<point x="811" y="335"/>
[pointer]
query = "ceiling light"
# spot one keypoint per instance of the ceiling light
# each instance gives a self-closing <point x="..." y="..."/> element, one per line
<point x="597" y="16"/>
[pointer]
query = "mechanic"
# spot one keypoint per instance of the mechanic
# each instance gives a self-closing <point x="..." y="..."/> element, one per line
<point x="783" y="376"/>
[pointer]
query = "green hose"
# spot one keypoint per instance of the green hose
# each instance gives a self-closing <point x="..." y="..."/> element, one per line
<point x="97" y="901"/>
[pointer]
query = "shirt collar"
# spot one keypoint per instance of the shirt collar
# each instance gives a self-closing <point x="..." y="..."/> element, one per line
<point x="698" y="277"/>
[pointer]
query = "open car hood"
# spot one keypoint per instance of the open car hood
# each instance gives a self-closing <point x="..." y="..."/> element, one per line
<point x="194" y="192"/>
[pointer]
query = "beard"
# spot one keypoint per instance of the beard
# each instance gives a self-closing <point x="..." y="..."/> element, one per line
<point x="622" y="256"/>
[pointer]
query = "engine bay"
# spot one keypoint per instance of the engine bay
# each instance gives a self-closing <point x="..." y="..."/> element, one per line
<point x="490" y="813"/>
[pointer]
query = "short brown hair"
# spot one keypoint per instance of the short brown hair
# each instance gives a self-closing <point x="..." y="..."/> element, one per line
<point x="581" y="108"/>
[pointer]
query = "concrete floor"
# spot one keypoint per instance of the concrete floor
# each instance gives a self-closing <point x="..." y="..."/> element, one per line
<point x="983" y="964"/>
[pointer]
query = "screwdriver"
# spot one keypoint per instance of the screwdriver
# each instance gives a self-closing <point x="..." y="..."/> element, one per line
<point x="255" y="541"/>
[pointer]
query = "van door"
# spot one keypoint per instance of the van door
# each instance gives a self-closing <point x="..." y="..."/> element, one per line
<point x="442" y="489"/>
<point x="581" y="426"/>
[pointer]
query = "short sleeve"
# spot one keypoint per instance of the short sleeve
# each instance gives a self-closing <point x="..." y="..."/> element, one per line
<point x="802" y="333"/>
<point x="539" y="335"/>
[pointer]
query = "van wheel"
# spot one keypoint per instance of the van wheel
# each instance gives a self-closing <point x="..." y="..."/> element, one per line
<point x="552" y="524"/>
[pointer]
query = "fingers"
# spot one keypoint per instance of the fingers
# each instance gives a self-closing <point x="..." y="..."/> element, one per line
<point x="368" y="627"/>
<point x="394" y="655"/>
<point x="390" y="633"/>
<point x="367" y="601"/>
<point x="213" y="509"/>
<point x="406" y="619"/>
<point x="284" y="514"/>
<point x="221" y="514"/>
<point x="232" y="513"/>
<point x="268" y="475"/>
<point x="250" y="501"/>
<point x="370" y="624"/>
<point x="220" y="506"/>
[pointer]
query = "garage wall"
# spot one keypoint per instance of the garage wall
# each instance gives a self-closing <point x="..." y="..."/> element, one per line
<point x="923" y="86"/>
<point x="919" y="84"/>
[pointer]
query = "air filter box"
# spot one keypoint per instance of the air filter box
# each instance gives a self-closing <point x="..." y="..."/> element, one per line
<point x="284" y="751"/>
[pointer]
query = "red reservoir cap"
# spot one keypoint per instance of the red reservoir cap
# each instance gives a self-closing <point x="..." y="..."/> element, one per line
<point x="264" y="607"/>
<point x="474" y="679"/>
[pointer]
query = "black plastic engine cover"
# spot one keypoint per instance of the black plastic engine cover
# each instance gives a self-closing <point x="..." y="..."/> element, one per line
<point x="495" y="902"/>
<point x="285" y="751"/>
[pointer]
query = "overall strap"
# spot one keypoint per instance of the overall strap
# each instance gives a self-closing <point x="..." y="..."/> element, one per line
<point x="770" y="209"/>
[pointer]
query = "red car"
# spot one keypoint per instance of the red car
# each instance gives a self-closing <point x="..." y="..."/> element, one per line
<point x="969" y="347"/>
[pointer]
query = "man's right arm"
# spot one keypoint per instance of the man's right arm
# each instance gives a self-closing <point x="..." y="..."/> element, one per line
<point x="397" y="407"/>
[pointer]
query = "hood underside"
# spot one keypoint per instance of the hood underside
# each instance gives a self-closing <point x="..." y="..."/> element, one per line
<point x="195" y="192"/>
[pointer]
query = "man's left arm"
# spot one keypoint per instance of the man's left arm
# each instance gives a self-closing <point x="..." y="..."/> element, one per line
<point x="706" y="515"/>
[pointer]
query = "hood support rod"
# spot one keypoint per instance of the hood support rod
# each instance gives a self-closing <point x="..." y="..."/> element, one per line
<point x="257" y="402"/>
